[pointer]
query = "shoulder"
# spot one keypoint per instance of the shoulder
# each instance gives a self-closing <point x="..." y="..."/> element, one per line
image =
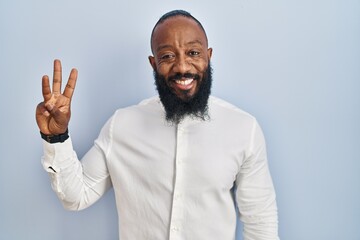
<point x="149" y="103"/>
<point x="219" y="107"/>
<point x="231" y="118"/>
<point x="146" y="109"/>
<point x="155" y="100"/>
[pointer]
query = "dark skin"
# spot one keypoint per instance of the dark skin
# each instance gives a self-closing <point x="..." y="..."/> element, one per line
<point x="53" y="114"/>
<point x="179" y="46"/>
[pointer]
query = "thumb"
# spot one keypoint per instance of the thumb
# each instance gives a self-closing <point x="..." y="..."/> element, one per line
<point x="59" y="117"/>
<point x="54" y="111"/>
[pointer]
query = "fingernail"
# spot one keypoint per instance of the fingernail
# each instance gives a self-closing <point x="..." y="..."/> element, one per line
<point x="46" y="113"/>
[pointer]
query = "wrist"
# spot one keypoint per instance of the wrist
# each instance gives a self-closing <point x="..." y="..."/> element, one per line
<point x="59" y="138"/>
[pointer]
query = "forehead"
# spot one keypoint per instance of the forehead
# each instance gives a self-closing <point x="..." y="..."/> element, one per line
<point x="178" y="30"/>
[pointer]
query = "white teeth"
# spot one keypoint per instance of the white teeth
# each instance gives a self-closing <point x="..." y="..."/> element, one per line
<point x="184" y="82"/>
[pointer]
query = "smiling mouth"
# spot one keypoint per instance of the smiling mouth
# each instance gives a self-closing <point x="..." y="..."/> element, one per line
<point x="184" y="82"/>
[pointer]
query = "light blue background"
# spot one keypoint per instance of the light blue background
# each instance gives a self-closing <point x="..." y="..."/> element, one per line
<point x="295" y="65"/>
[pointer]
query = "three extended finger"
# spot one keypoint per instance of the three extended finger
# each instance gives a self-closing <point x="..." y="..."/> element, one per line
<point x="46" y="92"/>
<point x="57" y="77"/>
<point x="70" y="86"/>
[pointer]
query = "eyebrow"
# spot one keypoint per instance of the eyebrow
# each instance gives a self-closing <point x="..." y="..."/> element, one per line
<point x="194" y="42"/>
<point x="187" y="44"/>
<point x="163" y="46"/>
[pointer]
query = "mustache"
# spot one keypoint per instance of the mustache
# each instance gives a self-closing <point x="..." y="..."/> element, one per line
<point x="179" y="76"/>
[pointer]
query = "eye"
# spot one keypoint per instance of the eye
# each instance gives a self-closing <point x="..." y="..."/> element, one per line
<point x="194" y="53"/>
<point x="166" y="56"/>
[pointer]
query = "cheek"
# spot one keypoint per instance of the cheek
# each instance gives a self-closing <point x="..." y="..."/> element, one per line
<point x="200" y="65"/>
<point x="163" y="69"/>
<point x="205" y="64"/>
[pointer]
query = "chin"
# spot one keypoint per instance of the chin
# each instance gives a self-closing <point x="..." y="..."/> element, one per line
<point x="186" y="95"/>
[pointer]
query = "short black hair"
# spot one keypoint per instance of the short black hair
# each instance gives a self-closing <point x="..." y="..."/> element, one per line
<point x="175" y="13"/>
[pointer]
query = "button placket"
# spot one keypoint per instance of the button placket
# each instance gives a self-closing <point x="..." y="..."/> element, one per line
<point x="177" y="204"/>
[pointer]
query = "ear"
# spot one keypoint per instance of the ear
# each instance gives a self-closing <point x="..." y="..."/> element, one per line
<point x="209" y="53"/>
<point x="152" y="62"/>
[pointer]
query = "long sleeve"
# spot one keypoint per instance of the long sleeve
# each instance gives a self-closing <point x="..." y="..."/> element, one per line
<point x="255" y="193"/>
<point x="78" y="184"/>
<point x="173" y="181"/>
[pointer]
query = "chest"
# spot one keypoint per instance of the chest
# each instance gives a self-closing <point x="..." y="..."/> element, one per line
<point x="199" y="155"/>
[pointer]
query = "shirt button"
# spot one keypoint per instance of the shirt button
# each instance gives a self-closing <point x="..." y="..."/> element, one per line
<point x="177" y="195"/>
<point x="175" y="229"/>
<point x="180" y="129"/>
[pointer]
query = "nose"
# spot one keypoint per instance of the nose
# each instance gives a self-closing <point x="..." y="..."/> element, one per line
<point x="181" y="65"/>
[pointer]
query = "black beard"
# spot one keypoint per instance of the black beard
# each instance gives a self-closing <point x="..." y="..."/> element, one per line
<point x="195" y="106"/>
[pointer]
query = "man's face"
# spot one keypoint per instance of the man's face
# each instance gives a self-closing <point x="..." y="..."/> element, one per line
<point x="181" y="55"/>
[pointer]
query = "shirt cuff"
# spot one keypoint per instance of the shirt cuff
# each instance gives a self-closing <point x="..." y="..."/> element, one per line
<point x="57" y="155"/>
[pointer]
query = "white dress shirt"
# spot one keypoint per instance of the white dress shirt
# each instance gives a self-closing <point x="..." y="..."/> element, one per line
<point x="173" y="182"/>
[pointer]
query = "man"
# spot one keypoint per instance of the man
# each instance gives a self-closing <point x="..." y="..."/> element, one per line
<point x="177" y="162"/>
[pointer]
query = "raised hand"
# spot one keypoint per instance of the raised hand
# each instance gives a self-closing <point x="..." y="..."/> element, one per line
<point x="53" y="114"/>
